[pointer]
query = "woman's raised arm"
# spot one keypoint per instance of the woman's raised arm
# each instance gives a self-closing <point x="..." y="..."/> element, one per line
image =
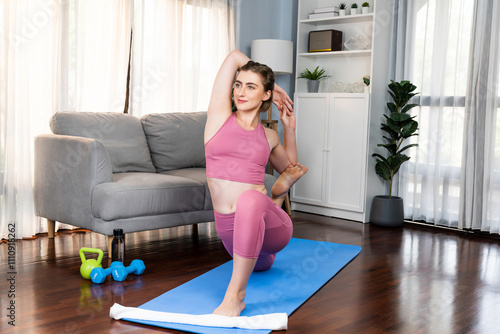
<point x="219" y="108"/>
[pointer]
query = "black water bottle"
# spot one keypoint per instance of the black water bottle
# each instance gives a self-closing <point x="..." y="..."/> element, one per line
<point x="118" y="246"/>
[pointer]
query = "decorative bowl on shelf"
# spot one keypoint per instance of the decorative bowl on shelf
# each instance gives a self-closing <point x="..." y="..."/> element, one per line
<point x="359" y="42"/>
<point x="355" y="87"/>
<point x="337" y="87"/>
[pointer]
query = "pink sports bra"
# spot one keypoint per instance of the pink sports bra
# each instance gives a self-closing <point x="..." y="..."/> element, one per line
<point x="236" y="154"/>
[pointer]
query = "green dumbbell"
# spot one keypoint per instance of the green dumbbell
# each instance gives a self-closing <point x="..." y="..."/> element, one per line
<point x="88" y="265"/>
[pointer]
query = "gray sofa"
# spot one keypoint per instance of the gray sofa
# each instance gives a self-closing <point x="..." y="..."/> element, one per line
<point x="102" y="171"/>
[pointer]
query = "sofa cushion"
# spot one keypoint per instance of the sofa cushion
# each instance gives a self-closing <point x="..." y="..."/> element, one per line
<point x="175" y="139"/>
<point x="121" y="135"/>
<point x="198" y="175"/>
<point x="145" y="194"/>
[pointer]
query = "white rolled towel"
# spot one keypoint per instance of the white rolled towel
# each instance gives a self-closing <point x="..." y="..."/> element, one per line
<point x="272" y="321"/>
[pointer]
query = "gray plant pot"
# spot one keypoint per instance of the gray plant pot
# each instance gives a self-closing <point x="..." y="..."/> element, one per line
<point x="388" y="212"/>
<point x="312" y="86"/>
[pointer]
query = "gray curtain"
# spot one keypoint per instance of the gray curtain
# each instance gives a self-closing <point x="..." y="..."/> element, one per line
<point x="402" y="30"/>
<point x="401" y="51"/>
<point x="479" y="200"/>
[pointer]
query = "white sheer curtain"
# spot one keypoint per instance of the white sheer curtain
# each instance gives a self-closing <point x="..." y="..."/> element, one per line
<point x="95" y="55"/>
<point x="29" y="48"/>
<point x="436" y="49"/>
<point x="178" y="46"/>
<point x="56" y="55"/>
<point x="480" y="197"/>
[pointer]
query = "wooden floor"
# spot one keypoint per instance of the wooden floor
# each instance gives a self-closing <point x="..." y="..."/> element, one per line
<point x="414" y="279"/>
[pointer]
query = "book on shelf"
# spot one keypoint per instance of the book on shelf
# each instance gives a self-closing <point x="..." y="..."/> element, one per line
<point x="324" y="15"/>
<point x="326" y="9"/>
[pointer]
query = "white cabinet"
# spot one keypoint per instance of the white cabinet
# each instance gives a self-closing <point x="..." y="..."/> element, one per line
<point x="332" y="142"/>
<point x="347" y="155"/>
<point x="311" y="112"/>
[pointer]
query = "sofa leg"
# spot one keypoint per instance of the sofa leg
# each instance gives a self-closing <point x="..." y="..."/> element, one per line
<point x="51" y="226"/>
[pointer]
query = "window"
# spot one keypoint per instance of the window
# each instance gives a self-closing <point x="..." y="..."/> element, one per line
<point x="439" y="58"/>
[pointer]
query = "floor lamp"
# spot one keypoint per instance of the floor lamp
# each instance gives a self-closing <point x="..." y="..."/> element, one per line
<point x="278" y="55"/>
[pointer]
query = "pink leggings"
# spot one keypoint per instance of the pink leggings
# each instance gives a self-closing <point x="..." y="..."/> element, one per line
<point x="257" y="230"/>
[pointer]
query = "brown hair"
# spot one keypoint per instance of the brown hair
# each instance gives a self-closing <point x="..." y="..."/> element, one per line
<point x="267" y="78"/>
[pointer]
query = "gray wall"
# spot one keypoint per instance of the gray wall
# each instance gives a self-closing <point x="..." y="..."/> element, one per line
<point x="380" y="79"/>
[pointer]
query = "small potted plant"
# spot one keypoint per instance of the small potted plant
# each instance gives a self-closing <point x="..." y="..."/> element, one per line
<point x="365" y="7"/>
<point x="342" y="8"/>
<point x="313" y="78"/>
<point x="354" y="8"/>
<point x="398" y="126"/>
<point x="366" y="81"/>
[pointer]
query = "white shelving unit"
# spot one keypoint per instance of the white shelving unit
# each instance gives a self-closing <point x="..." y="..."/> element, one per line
<point x="333" y="128"/>
<point x="346" y="66"/>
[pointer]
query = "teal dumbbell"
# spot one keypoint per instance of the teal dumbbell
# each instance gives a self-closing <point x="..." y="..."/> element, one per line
<point x="121" y="272"/>
<point x="98" y="275"/>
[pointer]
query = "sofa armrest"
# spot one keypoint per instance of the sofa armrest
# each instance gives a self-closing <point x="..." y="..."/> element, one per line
<point x="66" y="170"/>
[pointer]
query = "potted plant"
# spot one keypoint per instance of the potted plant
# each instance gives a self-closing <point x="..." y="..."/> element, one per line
<point x="398" y="126"/>
<point x="354" y="8"/>
<point x="365" y="7"/>
<point x="342" y="8"/>
<point x="366" y="81"/>
<point x="313" y="78"/>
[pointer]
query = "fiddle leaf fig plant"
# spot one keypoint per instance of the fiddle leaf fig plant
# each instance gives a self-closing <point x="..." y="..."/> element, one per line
<point x="399" y="126"/>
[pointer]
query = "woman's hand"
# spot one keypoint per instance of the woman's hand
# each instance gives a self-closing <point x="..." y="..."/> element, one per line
<point x="284" y="104"/>
<point x="282" y="100"/>
<point x="287" y="120"/>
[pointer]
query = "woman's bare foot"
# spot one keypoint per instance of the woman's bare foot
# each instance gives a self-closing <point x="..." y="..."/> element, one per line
<point x="231" y="306"/>
<point x="233" y="303"/>
<point x="286" y="180"/>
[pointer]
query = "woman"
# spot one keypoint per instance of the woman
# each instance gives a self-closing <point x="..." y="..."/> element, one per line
<point x="253" y="227"/>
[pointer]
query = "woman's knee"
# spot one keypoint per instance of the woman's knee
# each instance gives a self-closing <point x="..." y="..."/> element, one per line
<point x="264" y="262"/>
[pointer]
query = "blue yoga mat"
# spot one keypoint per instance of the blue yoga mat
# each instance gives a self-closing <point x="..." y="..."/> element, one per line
<point x="299" y="270"/>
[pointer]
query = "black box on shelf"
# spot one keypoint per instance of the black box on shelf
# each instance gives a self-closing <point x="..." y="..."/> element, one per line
<point x="325" y="40"/>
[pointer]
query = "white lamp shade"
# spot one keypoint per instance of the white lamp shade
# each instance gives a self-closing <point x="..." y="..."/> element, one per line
<point x="275" y="53"/>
